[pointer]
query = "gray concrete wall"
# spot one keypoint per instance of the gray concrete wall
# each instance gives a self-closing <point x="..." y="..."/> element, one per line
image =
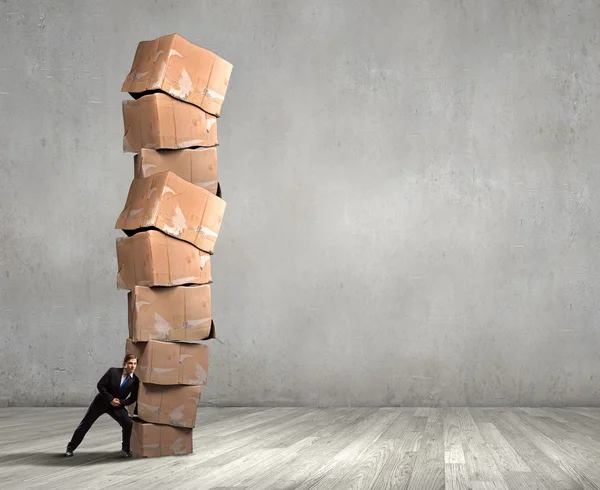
<point x="412" y="194"/>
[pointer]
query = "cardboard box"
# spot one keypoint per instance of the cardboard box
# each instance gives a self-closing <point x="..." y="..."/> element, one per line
<point x="169" y="405"/>
<point x="170" y="363"/>
<point x="176" y="207"/>
<point x="196" y="166"/>
<point x="151" y="258"/>
<point x="151" y="440"/>
<point x="182" y="69"/>
<point x="158" y="121"/>
<point x="170" y="314"/>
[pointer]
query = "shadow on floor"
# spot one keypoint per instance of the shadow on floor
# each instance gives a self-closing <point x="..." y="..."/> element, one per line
<point x="59" y="459"/>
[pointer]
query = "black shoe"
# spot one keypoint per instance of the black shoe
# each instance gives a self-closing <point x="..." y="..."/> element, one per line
<point x="126" y="454"/>
<point x="68" y="453"/>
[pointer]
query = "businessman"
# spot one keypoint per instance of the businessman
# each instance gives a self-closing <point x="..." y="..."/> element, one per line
<point x="117" y="389"/>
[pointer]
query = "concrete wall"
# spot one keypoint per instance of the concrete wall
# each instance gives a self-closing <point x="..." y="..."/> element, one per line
<point x="412" y="194"/>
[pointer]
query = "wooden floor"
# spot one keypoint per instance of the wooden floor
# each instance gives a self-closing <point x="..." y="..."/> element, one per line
<point x="302" y="448"/>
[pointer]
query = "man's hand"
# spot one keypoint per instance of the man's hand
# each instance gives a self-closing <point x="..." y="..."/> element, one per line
<point x="115" y="402"/>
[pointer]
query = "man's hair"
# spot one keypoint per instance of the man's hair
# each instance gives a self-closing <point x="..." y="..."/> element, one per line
<point x="129" y="357"/>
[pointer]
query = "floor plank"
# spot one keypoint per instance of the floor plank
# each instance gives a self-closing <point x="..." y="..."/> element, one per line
<point x="250" y="448"/>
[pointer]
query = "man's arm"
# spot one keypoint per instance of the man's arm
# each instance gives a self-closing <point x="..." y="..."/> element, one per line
<point x="103" y="387"/>
<point x="132" y="398"/>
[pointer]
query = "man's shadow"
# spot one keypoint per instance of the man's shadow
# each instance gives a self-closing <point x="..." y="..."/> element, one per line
<point x="59" y="459"/>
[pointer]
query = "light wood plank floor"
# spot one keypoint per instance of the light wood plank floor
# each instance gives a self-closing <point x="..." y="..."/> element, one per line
<point x="304" y="448"/>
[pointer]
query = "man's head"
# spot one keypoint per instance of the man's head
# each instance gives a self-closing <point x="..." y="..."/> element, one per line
<point x="130" y="363"/>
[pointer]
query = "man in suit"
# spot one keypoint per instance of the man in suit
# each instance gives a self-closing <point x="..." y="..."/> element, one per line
<point x="117" y="389"/>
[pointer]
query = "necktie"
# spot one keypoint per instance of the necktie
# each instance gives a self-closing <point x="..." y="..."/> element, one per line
<point x="123" y="382"/>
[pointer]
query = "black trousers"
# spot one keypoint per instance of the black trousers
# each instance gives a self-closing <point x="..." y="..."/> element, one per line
<point x="97" y="408"/>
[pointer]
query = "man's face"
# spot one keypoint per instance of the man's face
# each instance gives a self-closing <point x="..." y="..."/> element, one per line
<point x="130" y="366"/>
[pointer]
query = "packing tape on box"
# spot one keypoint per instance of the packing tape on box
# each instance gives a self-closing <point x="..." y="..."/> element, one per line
<point x="159" y="370"/>
<point x="203" y="230"/>
<point x="206" y="184"/>
<point x="176" y="415"/>
<point x="190" y="143"/>
<point x="212" y="94"/>
<point x="161" y="325"/>
<point x="195" y="323"/>
<point x="139" y="304"/>
<point x="201" y="376"/>
<point x="149" y="446"/>
<point x="184" y="280"/>
<point x="178" y="221"/>
<point x="178" y="447"/>
<point x="151" y="408"/>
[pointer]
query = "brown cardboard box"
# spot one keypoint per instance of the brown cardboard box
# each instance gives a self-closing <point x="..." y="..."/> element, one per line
<point x="151" y="440"/>
<point x="178" y="208"/>
<point x="151" y="258"/>
<point x="196" y="166"/>
<point x="170" y="314"/>
<point x="170" y="363"/>
<point x="158" y="121"/>
<point x="169" y="405"/>
<point x="182" y="69"/>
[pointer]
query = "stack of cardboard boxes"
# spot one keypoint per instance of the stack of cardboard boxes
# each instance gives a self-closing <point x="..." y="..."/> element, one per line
<point x="172" y="219"/>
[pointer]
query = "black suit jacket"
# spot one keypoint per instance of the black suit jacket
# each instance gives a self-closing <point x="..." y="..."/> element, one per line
<point x="109" y="387"/>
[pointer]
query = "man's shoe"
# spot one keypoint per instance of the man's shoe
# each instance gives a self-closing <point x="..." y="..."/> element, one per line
<point x="126" y="454"/>
<point x="68" y="453"/>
